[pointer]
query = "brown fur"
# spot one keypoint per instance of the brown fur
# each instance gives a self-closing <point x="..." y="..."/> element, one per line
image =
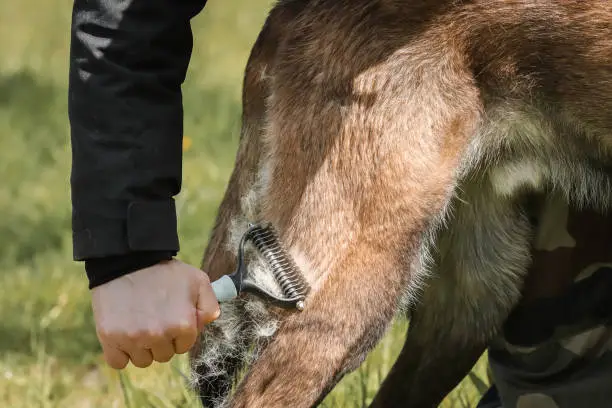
<point x="374" y="121"/>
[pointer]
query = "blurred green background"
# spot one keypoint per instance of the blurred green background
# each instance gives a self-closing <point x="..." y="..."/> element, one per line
<point x="49" y="354"/>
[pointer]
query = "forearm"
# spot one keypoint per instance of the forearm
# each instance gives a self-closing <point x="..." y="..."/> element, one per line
<point x="128" y="61"/>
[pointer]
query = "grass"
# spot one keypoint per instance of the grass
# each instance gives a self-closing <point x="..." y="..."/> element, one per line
<point x="49" y="355"/>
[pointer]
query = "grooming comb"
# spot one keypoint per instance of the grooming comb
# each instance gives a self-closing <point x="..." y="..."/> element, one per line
<point x="265" y="240"/>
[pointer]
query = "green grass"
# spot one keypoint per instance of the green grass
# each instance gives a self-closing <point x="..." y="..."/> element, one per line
<point x="49" y="355"/>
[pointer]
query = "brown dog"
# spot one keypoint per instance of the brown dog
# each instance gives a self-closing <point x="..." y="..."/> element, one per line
<point x="390" y="142"/>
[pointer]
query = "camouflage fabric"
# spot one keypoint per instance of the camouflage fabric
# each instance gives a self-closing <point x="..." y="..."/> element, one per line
<point x="556" y="347"/>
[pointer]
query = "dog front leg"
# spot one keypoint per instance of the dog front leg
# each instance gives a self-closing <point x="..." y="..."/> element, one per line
<point x="340" y="324"/>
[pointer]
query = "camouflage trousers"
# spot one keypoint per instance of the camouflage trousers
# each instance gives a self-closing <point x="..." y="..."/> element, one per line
<point x="555" y="349"/>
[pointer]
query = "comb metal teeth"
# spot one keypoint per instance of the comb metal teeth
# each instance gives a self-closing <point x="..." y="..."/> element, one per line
<point x="286" y="272"/>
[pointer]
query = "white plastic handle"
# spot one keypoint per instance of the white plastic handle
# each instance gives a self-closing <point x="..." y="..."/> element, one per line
<point x="224" y="289"/>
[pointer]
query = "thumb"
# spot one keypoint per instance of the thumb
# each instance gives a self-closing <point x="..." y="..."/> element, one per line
<point x="207" y="307"/>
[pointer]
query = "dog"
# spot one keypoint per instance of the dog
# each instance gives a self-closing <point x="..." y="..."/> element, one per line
<point x="391" y="144"/>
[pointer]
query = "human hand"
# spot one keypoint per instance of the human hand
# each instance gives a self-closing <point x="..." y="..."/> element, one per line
<point x="151" y="314"/>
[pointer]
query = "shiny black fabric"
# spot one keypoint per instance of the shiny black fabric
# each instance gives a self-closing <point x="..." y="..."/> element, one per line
<point x="128" y="59"/>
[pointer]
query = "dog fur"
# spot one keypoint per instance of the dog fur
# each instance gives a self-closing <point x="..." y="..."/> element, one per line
<point x="391" y="143"/>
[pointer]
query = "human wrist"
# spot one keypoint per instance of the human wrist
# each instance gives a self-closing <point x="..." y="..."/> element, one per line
<point x="102" y="270"/>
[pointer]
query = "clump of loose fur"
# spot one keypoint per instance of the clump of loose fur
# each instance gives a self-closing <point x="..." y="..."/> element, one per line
<point x="229" y="344"/>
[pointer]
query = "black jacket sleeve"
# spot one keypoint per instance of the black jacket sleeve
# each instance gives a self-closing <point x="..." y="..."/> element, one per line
<point x="128" y="60"/>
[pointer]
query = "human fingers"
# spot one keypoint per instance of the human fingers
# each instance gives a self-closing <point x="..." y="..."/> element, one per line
<point x="184" y="336"/>
<point x="162" y="349"/>
<point x="140" y="357"/>
<point x="114" y="357"/>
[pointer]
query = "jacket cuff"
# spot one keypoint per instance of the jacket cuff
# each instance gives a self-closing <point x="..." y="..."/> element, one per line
<point x="147" y="226"/>
<point x="103" y="270"/>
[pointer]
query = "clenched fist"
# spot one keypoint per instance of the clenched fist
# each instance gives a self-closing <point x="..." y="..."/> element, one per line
<point x="152" y="314"/>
